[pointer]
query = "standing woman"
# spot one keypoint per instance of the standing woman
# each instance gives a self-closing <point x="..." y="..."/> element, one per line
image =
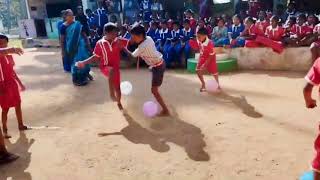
<point x="75" y="47"/>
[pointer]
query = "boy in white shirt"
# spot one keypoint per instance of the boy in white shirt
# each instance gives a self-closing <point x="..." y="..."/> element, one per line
<point x="148" y="52"/>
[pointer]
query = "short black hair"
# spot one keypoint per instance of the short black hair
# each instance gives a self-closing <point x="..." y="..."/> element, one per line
<point x="303" y="16"/>
<point x="276" y="18"/>
<point x="110" y="27"/>
<point x="186" y="21"/>
<point x="138" y="30"/>
<point x="250" y="19"/>
<point x="176" y="23"/>
<point x="3" y="36"/>
<point x="202" y="31"/>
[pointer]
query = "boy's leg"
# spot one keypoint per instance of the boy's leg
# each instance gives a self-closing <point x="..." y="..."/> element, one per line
<point x="117" y="90"/>
<point x="4" y="117"/>
<point x="2" y="145"/>
<point x="316" y="175"/>
<point x="157" y="79"/>
<point x="111" y="85"/>
<point x="5" y="156"/>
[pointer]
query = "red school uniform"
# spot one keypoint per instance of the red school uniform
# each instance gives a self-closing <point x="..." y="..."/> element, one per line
<point x="109" y="54"/>
<point x="252" y="32"/>
<point x="273" y="38"/>
<point x="206" y="51"/>
<point x="300" y="31"/>
<point x="313" y="77"/>
<point x="193" y="23"/>
<point x="261" y="27"/>
<point x="316" y="30"/>
<point x="8" y="84"/>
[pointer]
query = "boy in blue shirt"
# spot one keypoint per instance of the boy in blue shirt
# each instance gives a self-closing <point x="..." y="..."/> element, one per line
<point x="175" y="46"/>
<point x="162" y="36"/>
<point x="153" y="30"/>
<point x="187" y="34"/>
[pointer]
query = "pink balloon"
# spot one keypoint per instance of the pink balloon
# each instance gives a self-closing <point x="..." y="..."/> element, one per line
<point x="212" y="86"/>
<point x="150" y="109"/>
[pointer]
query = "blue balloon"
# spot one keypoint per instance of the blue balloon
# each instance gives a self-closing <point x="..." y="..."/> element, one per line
<point x="307" y="176"/>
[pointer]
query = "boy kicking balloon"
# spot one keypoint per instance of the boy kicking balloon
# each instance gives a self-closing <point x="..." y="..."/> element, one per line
<point x="207" y="61"/>
<point x="148" y="52"/>
<point x="107" y="51"/>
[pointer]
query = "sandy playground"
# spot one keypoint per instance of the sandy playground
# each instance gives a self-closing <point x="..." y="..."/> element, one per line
<point x="258" y="129"/>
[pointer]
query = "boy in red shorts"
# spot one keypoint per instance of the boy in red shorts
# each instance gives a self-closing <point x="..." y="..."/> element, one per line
<point x="313" y="79"/>
<point x="107" y="51"/>
<point x="207" y="61"/>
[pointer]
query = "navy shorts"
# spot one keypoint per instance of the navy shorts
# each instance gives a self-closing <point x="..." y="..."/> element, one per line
<point x="157" y="75"/>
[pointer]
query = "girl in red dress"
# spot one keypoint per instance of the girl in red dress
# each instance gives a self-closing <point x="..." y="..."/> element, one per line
<point x="9" y="85"/>
<point x="274" y="35"/>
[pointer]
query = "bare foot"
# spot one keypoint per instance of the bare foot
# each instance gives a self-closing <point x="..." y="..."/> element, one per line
<point x="24" y="128"/>
<point x="203" y="89"/>
<point x="6" y="135"/>
<point x="120" y="106"/>
<point x="164" y="113"/>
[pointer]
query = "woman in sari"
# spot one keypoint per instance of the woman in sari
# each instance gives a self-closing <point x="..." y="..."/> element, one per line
<point x="75" y="47"/>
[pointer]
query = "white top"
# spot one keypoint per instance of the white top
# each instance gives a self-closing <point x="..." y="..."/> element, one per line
<point x="148" y="52"/>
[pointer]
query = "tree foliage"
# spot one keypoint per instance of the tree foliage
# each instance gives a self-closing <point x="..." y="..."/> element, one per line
<point x="10" y="12"/>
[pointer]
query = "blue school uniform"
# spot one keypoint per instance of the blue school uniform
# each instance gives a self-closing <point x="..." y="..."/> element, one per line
<point x="145" y="7"/>
<point x="186" y="36"/>
<point x="92" y="21"/>
<point x="175" y="48"/>
<point x="101" y="18"/>
<point x="126" y="35"/>
<point x="152" y="33"/>
<point x="163" y="42"/>
<point x="235" y="35"/>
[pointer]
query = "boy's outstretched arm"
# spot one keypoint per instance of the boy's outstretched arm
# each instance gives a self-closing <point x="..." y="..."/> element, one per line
<point x="11" y="50"/>
<point x="307" y="92"/>
<point x="90" y="60"/>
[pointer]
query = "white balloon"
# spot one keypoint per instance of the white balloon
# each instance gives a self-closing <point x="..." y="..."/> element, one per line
<point x="126" y="88"/>
<point x="212" y="86"/>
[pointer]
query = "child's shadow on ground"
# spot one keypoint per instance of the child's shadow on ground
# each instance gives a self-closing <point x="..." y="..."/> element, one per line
<point x="170" y="129"/>
<point x="17" y="170"/>
<point x="242" y="103"/>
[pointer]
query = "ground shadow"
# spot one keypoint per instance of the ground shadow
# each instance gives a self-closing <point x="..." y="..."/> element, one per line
<point x="242" y="103"/>
<point x="17" y="170"/>
<point x="291" y="75"/>
<point x="170" y="129"/>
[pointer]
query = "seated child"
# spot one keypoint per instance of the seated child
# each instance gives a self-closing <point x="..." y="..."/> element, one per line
<point x="315" y="46"/>
<point x="9" y="85"/>
<point x="187" y="34"/>
<point x="202" y="24"/>
<point x="300" y="33"/>
<point x="107" y="52"/>
<point x="274" y="35"/>
<point x="189" y="16"/>
<point x="162" y="36"/>
<point x="153" y="30"/>
<point x="207" y="61"/>
<point x="249" y="35"/>
<point x="234" y="32"/>
<point x="148" y="52"/>
<point x="175" y="48"/>
<point x="220" y="34"/>
<point x="312" y="21"/>
<point x="313" y="79"/>
<point x="262" y="23"/>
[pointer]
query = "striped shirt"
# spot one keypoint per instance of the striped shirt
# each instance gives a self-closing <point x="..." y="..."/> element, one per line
<point x="148" y="52"/>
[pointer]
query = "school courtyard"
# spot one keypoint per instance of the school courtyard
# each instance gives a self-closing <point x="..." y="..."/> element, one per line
<point x="258" y="129"/>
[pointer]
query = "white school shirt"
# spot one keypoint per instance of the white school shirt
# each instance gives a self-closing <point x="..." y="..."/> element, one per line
<point x="148" y="52"/>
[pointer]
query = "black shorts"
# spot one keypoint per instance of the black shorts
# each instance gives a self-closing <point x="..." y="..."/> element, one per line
<point x="157" y="75"/>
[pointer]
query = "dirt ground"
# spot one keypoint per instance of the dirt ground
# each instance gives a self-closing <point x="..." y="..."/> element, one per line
<point x="258" y="129"/>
